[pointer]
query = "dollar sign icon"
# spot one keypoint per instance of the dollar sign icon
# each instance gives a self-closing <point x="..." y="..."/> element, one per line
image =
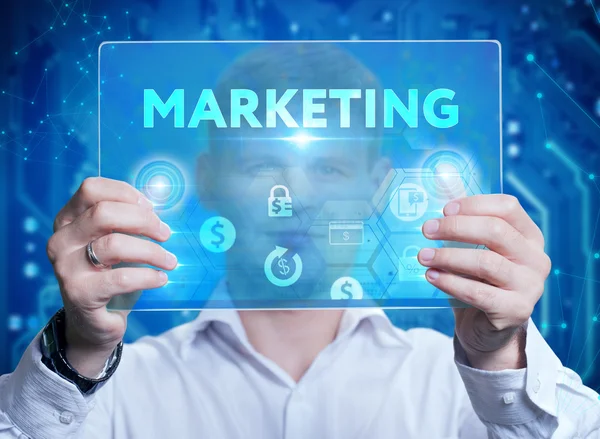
<point x="283" y="267"/>
<point x="346" y="236"/>
<point x="220" y="238"/>
<point x="275" y="206"/>
<point x="347" y="290"/>
<point x="217" y="234"/>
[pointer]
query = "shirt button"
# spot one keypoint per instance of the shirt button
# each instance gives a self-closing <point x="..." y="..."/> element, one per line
<point x="509" y="398"/>
<point x="537" y="385"/>
<point x="66" y="417"/>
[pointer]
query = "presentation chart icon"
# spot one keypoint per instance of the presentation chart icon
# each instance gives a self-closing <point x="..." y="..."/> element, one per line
<point x="217" y="234"/>
<point x="346" y="232"/>
<point x="346" y="288"/>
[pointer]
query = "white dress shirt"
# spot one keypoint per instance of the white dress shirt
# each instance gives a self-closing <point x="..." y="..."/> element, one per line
<point x="375" y="381"/>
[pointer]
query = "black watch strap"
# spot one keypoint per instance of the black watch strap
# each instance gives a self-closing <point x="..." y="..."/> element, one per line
<point x="53" y="346"/>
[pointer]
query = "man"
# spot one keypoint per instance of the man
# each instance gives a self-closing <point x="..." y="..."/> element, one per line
<point x="288" y="373"/>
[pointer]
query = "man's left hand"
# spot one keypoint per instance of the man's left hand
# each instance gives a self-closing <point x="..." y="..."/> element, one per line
<point x="502" y="284"/>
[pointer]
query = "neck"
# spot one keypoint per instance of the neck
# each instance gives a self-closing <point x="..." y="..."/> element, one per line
<point x="291" y="339"/>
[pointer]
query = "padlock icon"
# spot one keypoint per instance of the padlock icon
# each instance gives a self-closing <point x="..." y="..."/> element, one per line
<point x="409" y="269"/>
<point x="280" y="206"/>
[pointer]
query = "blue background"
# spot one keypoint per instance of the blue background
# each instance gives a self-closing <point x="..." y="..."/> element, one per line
<point x="48" y="131"/>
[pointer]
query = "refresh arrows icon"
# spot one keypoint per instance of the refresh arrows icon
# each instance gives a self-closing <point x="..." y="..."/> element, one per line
<point x="283" y="266"/>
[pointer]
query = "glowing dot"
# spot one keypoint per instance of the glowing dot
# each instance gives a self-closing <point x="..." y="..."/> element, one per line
<point x="32" y="102"/>
<point x="30" y="224"/>
<point x="82" y="38"/>
<point x="126" y="12"/>
<point x="109" y="28"/>
<point x="294" y="27"/>
<point x="548" y="145"/>
<point x="30" y="247"/>
<point x="557" y="271"/>
<point x="64" y="24"/>
<point x="513" y="127"/>
<point x="513" y="150"/>
<point x="530" y="57"/>
<point x="25" y="158"/>
<point x="595" y="318"/>
<point x="591" y="176"/>
<point x="544" y="325"/>
<point x="387" y="16"/>
<point x="355" y="37"/>
<point x="85" y="15"/>
<point x="539" y="95"/>
<point x="16" y="53"/>
<point x="563" y="325"/>
<point x="30" y="270"/>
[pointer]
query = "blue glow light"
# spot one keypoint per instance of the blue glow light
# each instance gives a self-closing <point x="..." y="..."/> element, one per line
<point x="30" y="224"/>
<point x="162" y="182"/>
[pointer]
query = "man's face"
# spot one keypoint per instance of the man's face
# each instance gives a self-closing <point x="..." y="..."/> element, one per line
<point x="331" y="178"/>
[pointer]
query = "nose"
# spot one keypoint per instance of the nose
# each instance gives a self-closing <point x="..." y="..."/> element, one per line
<point x="310" y="203"/>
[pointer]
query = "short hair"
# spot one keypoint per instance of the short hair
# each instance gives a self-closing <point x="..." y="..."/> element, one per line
<point x="283" y="66"/>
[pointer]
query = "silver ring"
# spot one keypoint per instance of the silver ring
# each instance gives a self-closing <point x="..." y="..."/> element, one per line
<point x="93" y="258"/>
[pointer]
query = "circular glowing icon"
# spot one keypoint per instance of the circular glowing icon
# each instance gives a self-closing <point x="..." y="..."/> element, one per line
<point x="346" y="288"/>
<point x="409" y="202"/>
<point x="217" y="234"/>
<point x="162" y="183"/>
<point x="282" y="270"/>
<point x="450" y="175"/>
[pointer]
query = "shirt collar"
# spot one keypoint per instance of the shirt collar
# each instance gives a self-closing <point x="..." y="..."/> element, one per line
<point x="384" y="331"/>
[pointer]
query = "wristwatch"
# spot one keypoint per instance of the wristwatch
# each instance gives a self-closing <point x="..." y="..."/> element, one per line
<point x="53" y="345"/>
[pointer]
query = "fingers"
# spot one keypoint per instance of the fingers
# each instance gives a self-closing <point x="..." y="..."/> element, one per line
<point x="94" y="290"/>
<point x="115" y="248"/>
<point x="488" y="298"/>
<point x="94" y="190"/>
<point x="498" y="205"/>
<point x="493" y="232"/>
<point x="480" y="264"/>
<point x="105" y="217"/>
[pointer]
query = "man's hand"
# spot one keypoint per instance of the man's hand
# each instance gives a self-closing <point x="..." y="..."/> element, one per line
<point x="502" y="284"/>
<point x="107" y="212"/>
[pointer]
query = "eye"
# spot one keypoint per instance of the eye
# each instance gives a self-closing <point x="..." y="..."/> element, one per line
<point x="328" y="171"/>
<point x="262" y="167"/>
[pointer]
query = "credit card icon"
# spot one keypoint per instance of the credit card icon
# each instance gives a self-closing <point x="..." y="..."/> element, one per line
<point x="346" y="232"/>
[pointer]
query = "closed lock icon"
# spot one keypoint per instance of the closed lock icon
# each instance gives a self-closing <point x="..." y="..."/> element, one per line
<point x="280" y="206"/>
<point x="409" y="268"/>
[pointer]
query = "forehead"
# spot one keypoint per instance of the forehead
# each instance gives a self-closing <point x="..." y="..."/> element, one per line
<point x="295" y="144"/>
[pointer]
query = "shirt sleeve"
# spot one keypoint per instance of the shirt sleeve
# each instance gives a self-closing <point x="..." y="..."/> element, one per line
<point x="37" y="403"/>
<point x="545" y="400"/>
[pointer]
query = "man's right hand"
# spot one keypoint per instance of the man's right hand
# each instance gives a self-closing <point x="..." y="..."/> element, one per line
<point x="106" y="212"/>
